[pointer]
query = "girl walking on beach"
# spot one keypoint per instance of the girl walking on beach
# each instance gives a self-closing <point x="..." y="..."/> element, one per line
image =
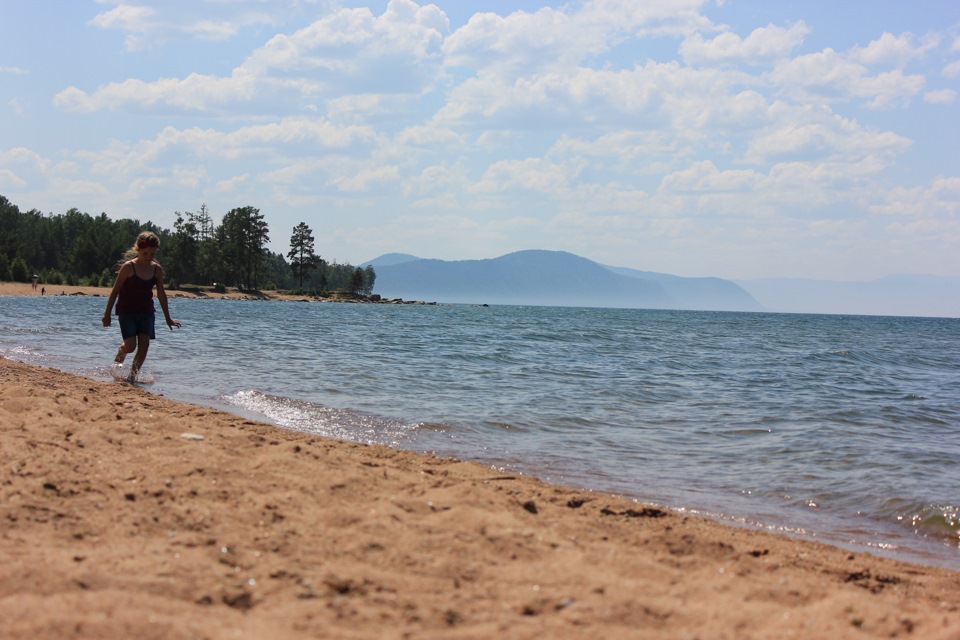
<point x="133" y="292"/>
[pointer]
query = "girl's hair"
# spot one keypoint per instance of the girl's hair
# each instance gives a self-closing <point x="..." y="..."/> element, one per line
<point x="145" y="239"/>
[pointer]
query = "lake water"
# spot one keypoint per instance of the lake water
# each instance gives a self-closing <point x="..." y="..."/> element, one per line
<point x="845" y="429"/>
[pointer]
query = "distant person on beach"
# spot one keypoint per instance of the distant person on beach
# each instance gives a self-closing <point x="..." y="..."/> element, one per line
<point x="133" y="292"/>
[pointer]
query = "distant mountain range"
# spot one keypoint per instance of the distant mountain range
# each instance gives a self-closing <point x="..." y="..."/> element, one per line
<point x="551" y="278"/>
<point x="557" y="278"/>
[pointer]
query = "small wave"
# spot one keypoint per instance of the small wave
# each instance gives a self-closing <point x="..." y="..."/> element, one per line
<point x="26" y="355"/>
<point x="328" y="422"/>
<point x="937" y="521"/>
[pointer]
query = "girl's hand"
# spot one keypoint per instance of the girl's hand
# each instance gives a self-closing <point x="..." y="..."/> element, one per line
<point x="173" y="323"/>
<point x="106" y="320"/>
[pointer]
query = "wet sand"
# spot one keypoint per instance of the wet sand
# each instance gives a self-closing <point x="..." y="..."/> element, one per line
<point x="127" y="515"/>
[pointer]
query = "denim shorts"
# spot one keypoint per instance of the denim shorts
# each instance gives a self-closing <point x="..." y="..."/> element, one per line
<point x="133" y="324"/>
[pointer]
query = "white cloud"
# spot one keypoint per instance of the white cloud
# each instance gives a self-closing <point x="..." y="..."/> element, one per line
<point x="354" y="41"/>
<point x="704" y="177"/>
<point x="195" y="92"/>
<point x="23" y="168"/>
<point x="17" y="71"/>
<point x="550" y="38"/>
<point x="808" y="134"/>
<point x="891" y="49"/>
<point x="547" y="37"/>
<point x="254" y="150"/>
<point x="937" y="200"/>
<point x="889" y="90"/>
<point x="366" y="180"/>
<point x="440" y="138"/>
<point x="943" y="96"/>
<point x="151" y="24"/>
<point x="825" y="72"/>
<point x="830" y="76"/>
<point x="233" y="184"/>
<point x="210" y="30"/>
<point x="125" y="17"/>
<point x="760" y="47"/>
<point x="10" y="180"/>
<point x="17" y="107"/>
<point x="533" y="174"/>
<point x="652" y="96"/>
<point x="952" y="70"/>
<point x="348" y="52"/>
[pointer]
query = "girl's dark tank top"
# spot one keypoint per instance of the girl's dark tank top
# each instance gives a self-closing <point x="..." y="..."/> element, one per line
<point x="136" y="294"/>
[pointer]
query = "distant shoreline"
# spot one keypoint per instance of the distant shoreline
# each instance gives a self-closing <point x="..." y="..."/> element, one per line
<point x="26" y="289"/>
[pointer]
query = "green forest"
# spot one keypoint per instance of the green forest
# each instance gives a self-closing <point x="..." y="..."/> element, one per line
<point x="76" y="248"/>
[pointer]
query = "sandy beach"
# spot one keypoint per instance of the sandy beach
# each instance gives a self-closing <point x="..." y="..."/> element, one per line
<point x="127" y="515"/>
<point x="26" y="289"/>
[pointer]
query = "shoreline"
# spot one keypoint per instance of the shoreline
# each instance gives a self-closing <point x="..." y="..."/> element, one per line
<point x="25" y="289"/>
<point x="127" y="514"/>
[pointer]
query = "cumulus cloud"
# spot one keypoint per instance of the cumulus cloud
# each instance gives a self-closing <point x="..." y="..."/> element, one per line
<point x="533" y="174"/>
<point x="10" y="180"/>
<point x="367" y="179"/>
<point x="651" y="96"/>
<point x="523" y="42"/>
<point x="704" y="177"/>
<point x="348" y="52"/>
<point x="350" y="38"/>
<point x="196" y="92"/>
<point x="151" y="23"/>
<point x="760" y="47"/>
<point x="125" y="17"/>
<point x="23" y="167"/>
<point x="943" y="96"/>
<point x="803" y="134"/>
<point x="830" y="76"/>
<point x="891" y="49"/>
<point x="939" y="197"/>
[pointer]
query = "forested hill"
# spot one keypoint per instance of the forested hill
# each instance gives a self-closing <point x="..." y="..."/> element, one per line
<point x="552" y="278"/>
<point x="76" y="248"/>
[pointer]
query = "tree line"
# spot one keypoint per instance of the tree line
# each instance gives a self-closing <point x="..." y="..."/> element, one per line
<point x="76" y="248"/>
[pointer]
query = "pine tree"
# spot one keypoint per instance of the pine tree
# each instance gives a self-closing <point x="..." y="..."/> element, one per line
<point x="302" y="257"/>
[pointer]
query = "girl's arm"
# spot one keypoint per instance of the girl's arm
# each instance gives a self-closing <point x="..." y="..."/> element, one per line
<point x="122" y="275"/>
<point x="162" y="298"/>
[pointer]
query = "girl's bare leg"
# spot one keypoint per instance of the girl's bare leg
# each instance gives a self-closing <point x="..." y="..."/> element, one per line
<point x="143" y="345"/>
<point x="127" y="346"/>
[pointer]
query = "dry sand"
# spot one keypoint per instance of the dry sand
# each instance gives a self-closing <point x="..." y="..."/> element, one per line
<point x="26" y="289"/>
<point x="128" y="515"/>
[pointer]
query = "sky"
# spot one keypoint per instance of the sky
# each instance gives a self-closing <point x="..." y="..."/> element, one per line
<point x="737" y="138"/>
